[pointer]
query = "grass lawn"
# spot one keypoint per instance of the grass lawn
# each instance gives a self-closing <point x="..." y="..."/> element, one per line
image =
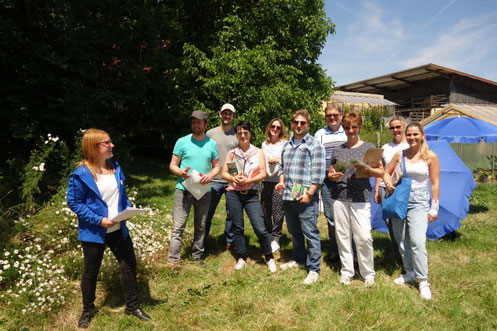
<point x="216" y="297"/>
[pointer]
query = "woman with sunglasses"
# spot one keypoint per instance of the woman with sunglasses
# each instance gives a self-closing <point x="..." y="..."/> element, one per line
<point x="271" y="195"/>
<point x="399" y="143"/>
<point x="423" y="168"/>
<point x="351" y="194"/>
<point x="244" y="168"/>
<point x="96" y="194"/>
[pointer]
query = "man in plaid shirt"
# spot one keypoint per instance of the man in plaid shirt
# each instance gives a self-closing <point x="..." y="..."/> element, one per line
<point x="304" y="168"/>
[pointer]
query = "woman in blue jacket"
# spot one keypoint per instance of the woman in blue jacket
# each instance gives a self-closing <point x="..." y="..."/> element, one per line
<point x="96" y="194"/>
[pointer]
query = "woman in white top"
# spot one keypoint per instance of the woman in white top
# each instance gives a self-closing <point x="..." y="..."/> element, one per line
<point x="96" y="194"/>
<point x="271" y="197"/>
<point x="423" y="167"/>
<point x="399" y="143"/>
<point x="244" y="168"/>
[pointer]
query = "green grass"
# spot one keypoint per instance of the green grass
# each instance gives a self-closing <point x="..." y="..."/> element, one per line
<point x="462" y="273"/>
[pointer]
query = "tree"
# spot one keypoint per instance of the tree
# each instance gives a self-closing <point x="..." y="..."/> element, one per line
<point x="263" y="60"/>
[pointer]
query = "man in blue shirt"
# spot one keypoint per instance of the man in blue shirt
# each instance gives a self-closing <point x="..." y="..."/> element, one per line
<point x="330" y="136"/>
<point x="303" y="165"/>
<point x="197" y="152"/>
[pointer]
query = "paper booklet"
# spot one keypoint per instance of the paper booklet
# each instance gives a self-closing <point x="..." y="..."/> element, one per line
<point x="127" y="214"/>
<point x="192" y="184"/>
<point x="236" y="164"/>
<point x="299" y="190"/>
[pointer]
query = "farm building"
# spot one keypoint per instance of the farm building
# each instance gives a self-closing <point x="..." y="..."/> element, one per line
<point x="419" y="92"/>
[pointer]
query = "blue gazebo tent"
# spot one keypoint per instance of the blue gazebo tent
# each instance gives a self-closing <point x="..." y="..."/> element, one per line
<point x="456" y="186"/>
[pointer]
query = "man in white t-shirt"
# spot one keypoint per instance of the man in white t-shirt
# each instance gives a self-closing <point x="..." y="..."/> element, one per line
<point x="330" y="136"/>
<point x="225" y="138"/>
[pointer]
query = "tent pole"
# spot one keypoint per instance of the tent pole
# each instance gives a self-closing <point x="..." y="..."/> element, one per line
<point x="493" y="160"/>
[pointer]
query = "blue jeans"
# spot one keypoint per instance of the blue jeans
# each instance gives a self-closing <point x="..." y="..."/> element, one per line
<point x="328" y="213"/>
<point x="411" y="233"/>
<point x="237" y="202"/>
<point x="217" y="191"/>
<point x="302" y="220"/>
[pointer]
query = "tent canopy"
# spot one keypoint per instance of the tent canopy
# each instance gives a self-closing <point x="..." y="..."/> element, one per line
<point x="461" y="130"/>
<point x="456" y="186"/>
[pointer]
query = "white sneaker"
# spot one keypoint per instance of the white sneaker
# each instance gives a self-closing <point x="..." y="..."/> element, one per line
<point x="240" y="264"/>
<point x="271" y="265"/>
<point x="312" y="277"/>
<point x="275" y="246"/>
<point x="345" y="280"/>
<point x="424" y="290"/>
<point x="404" y="278"/>
<point x="369" y="282"/>
<point x="291" y="265"/>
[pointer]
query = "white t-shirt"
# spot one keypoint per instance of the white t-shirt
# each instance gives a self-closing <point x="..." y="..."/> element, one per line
<point x="107" y="185"/>
<point x="389" y="151"/>
<point x="273" y="151"/>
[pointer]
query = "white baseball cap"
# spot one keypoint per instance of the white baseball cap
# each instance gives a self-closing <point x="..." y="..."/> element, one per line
<point x="228" y="106"/>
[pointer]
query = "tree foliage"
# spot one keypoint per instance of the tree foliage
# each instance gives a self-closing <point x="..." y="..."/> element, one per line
<point x="137" y="68"/>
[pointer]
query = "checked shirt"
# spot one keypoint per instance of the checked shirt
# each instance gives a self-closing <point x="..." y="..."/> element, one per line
<point x="302" y="164"/>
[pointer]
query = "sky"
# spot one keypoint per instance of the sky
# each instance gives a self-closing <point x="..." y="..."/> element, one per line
<point x="378" y="37"/>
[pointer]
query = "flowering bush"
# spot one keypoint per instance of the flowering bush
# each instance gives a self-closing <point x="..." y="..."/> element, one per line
<point x="48" y="163"/>
<point x="41" y="267"/>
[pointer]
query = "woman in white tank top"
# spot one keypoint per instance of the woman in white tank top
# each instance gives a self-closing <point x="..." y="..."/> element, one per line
<point x="422" y="167"/>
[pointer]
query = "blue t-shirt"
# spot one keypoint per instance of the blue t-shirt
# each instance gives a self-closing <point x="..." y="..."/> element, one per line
<point x="196" y="154"/>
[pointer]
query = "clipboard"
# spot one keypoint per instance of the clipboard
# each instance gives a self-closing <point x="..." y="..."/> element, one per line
<point x="371" y="158"/>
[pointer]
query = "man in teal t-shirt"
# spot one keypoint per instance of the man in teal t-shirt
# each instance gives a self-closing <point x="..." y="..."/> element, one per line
<point x="199" y="152"/>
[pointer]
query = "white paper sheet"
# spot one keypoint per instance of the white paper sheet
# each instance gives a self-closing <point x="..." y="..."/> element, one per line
<point x="128" y="213"/>
<point x="192" y="184"/>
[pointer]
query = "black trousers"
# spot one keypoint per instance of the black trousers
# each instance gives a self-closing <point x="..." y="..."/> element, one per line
<point x="125" y="254"/>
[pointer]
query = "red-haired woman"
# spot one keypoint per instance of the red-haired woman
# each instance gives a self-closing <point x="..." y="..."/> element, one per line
<point x="96" y="194"/>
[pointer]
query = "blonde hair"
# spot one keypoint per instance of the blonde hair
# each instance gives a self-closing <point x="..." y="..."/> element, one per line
<point x="282" y="135"/>
<point x="402" y="121"/>
<point x="423" y="148"/>
<point x="89" y="147"/>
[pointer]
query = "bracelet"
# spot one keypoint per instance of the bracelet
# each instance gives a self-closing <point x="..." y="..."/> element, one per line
<point x="309" y="195"/>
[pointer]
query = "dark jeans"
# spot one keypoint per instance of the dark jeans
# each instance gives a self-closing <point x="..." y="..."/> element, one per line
<point x="125" y="254"/>
<point x="217" y="191"/>
<point x="328" y="213"/>
<point x="237" y="202"/>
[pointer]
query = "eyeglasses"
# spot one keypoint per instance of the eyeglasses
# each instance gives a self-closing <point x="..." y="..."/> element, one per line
<point x="105" y="143"/>
<point x="276" y="127"/>
<point x="396" y="127"/>
<point x="242" y="133"/>
<point x="333" y="115"/>
<point x="350" y="127"/>
<point x="300" y="122"/>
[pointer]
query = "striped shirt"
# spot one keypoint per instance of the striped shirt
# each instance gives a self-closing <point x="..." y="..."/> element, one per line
<point x="330" y="140"/>
<point x="302" y="164"/>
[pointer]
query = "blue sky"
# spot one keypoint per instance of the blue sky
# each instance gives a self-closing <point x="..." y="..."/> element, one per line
<point x="378" y="37"/>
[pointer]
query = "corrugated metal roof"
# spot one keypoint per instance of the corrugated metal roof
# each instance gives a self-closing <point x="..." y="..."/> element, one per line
<point x="362" y="100"/>
<point x="405" y="78"/>
<point x="484" y="112"/>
